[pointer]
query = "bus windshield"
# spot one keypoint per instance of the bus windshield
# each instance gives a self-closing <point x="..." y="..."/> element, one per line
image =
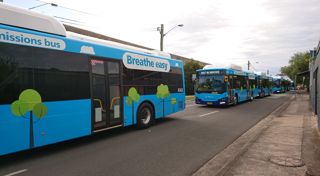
<point x="212" y="83"/>
<point x="276" y="83"/>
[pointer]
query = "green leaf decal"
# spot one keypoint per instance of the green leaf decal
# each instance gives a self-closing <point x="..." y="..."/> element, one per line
<point x="162" y="91"/>
<point x="173" y="101"/>
<point x="40" y="110"/>
<point x="19" y="108"/>
<point x="31" y="97"/>
<point x="129" y="101"/>
<point x="29" y="101"/>
<point x="133" y="94"/>
<point x="136" y="98"/>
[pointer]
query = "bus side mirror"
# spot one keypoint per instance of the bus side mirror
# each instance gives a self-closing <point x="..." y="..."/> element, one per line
<point x="194" y="77"/>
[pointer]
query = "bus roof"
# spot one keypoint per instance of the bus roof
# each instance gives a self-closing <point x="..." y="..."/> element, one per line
<point x="228" y="71"/>
<point x="28" y="19"/>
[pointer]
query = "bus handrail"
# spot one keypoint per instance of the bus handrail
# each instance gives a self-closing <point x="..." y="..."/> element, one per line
<point x="100" y="103"/>
<point x="113" y="100"/>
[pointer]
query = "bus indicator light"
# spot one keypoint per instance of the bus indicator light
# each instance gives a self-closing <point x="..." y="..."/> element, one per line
<point x="226" y="79"/>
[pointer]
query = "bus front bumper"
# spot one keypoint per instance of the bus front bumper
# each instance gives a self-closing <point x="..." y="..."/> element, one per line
<point x="222" y="101"/>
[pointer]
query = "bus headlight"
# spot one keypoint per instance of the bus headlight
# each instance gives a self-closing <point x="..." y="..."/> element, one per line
<point x="223" y="100"/>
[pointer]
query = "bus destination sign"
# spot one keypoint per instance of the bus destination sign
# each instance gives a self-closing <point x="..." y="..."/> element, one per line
<point x="212" y="72"/>
<point x="141" y="62"/>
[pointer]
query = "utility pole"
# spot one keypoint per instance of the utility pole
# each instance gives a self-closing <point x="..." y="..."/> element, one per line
<point x="162" y="34"/>
<point x="161" y="37"/>
<point x="248" y="65"/>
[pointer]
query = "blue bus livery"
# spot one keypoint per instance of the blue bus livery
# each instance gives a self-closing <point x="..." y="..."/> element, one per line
<point x="223" y="86"/>
<point x="55" y="86"/>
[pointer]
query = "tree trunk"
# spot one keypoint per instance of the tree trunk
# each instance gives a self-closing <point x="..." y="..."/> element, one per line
<point x="31" y="131"/>
<point x="132" y="113"/>
<point x="163" y="107"/>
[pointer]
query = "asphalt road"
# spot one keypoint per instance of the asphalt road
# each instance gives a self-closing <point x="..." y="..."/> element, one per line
<point x="177" y="145"/>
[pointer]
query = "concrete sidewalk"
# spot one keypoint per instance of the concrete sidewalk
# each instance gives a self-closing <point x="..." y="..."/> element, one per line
<point x="272" y="147"/>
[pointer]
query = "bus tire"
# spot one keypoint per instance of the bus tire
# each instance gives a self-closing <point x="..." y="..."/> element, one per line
<point x="145" y="115"/>
<point x="235" y="100"/>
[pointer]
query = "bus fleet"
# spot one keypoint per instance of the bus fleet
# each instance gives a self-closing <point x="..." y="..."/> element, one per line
<point x="231" y="85"/>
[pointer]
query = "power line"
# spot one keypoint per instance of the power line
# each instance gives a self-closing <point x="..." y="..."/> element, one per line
<point x="63" y="18"/>
<point x="68" y="22"/>
<point x="79" y="11"/>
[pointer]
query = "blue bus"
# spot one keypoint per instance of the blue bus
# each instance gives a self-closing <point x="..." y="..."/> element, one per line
<point x="277" y="84"/>
<point x="282" y="84"/>
<point x="287" y="83"/>
<point x="253" y="84"/>
<point x="264" y="85"/>
<point x="56" y="85"/>
<point x="222" y="86"/>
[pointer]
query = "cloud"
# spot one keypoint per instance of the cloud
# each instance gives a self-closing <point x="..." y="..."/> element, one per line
<point x="269" y="37"/>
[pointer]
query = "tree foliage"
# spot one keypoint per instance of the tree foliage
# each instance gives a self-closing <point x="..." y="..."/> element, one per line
<point x="298" y="63"/>
<point x="190" y="68"/>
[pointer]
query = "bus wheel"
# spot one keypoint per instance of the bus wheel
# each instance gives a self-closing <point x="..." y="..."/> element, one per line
<point x="145" y="116"/>
<point x="235" y="100"/>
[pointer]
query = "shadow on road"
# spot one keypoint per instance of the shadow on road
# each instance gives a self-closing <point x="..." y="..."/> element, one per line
<point x="224" y="106"/>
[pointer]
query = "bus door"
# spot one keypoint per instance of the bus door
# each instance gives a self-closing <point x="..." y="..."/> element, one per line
<point x="249" y="95"/>
<point x="105" y="94"/>
<point x="230" y="88"/>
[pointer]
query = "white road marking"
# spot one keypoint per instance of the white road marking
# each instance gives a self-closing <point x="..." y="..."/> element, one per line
<point x="191" y="105"/>
<point x="17" y="172"/>
<point x="208" y="113"/>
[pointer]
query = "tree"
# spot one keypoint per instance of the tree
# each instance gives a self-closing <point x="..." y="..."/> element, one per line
<point x="190" y="68"/>
<point x="29" y="101"/>
<point x="298" y="63"/>
<point x="162" y="93"/>
<point x="133" y="96"/>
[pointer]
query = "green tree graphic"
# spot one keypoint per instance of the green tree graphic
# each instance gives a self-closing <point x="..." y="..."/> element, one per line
<point x="29" y="101"/>
<point x="133" y="96"/>
<point x="173" y="102"/>
<point x="162" y="93"/>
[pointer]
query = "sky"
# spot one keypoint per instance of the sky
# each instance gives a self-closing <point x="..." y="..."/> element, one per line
<point x="219" y="32"/>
